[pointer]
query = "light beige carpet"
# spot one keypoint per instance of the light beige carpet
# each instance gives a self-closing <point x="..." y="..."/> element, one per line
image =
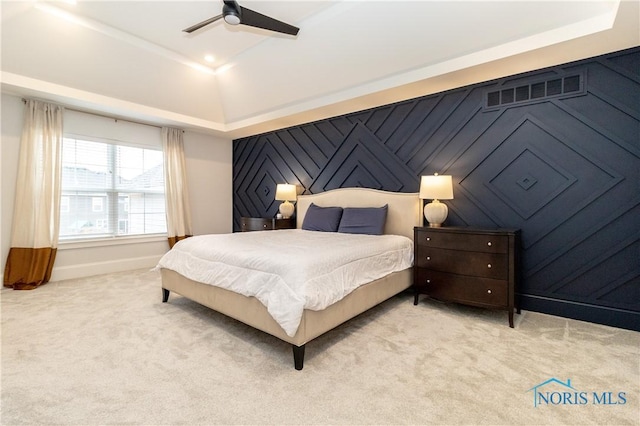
<point x="105" y="350"/>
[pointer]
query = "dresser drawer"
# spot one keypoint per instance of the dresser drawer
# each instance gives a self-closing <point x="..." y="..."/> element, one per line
<point x="256" y="224"/>
<point x="489" y="265"/>
<point x="488" y="243"/>
<point x="265" y="224"/>
<point x="464" y="289"/>
<point x="289" y="223"/>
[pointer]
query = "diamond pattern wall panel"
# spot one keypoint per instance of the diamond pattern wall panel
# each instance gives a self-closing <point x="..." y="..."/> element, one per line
<point x="565" y="169"/>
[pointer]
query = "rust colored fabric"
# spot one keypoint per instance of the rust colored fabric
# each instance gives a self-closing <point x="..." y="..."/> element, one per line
<point x="28" y="268"/>
<point x="174" y="240"/>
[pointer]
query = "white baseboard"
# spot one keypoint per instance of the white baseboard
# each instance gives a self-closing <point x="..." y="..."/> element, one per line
<point x="99" y="268"/>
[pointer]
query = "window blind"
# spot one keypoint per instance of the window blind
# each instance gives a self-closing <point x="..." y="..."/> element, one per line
<point x="110" y="190"/>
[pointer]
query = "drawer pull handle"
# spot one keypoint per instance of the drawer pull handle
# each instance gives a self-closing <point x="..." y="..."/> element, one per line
<point x="428" y="281"/>
<point x="489" y="291"/>
<point x="428" y="257"/>
<point x="428" y="238"/>
<point x="489" y="243"/>
<point x="489" y="266"/>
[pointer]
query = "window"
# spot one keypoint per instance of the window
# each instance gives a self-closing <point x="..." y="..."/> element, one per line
<point x="64" y="205"/>
<point x="96" y="204"/>
<point x="110" y="190"/>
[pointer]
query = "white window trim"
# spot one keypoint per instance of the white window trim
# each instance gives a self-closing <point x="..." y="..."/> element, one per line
<point x="77" y="243"/>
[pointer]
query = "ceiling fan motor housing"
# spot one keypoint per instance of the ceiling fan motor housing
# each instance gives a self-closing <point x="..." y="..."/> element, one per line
<point x="232" y="15"/>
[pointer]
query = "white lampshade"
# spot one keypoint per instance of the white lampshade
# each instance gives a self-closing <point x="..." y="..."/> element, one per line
<point x="436" y="187"/>
<point x="433" y="188"/>
<point x="286" y="192"/>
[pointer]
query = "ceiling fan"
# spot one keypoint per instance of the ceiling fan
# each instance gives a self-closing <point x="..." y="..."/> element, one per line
<point x="235" y="14"/>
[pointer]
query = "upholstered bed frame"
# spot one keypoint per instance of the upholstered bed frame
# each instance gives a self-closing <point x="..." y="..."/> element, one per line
<point x="403" y="214"/>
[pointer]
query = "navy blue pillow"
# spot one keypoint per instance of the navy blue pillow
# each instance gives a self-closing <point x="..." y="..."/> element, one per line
<point x="363" y="220"/>
<point x="324" y="219"/>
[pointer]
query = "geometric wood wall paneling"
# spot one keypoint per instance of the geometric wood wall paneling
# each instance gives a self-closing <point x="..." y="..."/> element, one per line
<point x="564" y="168"/>
<point x="363" y="161"/>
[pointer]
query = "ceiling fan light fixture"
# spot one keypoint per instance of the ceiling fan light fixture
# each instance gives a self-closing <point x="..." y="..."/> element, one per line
<point x="232" y="19"/>
<point x="231" y="14"/>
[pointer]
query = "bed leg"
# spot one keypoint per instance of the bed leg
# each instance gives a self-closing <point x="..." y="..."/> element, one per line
<point x="298" y="356"/>
<point x="165" y="295"/>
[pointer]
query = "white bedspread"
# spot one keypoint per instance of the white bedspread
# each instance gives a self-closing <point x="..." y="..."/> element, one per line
<point x="289" y="270"/>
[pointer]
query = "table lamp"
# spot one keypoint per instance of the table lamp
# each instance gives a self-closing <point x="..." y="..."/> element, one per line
<point x="286" y="193"/>
<point x="436" y="187"/>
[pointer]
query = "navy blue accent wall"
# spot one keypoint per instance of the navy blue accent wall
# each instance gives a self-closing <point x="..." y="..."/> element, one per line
<point x="554" y="152"/>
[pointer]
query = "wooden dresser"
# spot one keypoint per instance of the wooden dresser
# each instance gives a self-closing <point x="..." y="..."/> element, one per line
<point x="466" y="265"/>
<point x="266" y="224"/>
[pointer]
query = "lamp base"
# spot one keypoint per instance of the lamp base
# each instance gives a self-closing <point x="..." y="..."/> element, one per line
<point x="436" y="213"/>
<point x="286" y="209"/>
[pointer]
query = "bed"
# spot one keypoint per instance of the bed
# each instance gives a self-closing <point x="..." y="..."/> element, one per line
<point x="402" y="214"/>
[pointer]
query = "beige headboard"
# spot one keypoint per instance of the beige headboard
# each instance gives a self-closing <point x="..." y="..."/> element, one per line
<point x="404" y="208"/>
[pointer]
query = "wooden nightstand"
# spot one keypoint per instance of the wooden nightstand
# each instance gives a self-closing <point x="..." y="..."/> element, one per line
<point x="472" y="266"/>
<point x="266" y="224"/>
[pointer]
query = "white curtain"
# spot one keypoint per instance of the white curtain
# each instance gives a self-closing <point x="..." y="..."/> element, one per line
<point x="36" y="215"/>
<point x="175" y="182"/>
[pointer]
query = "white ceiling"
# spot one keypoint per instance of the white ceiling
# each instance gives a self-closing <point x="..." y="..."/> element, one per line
<point x="131" y="59"/>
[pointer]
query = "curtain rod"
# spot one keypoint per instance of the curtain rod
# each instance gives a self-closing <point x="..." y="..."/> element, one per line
<point x="106" y="116"/>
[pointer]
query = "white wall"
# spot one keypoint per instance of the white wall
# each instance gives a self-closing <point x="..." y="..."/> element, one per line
<point x="209" y="173"/>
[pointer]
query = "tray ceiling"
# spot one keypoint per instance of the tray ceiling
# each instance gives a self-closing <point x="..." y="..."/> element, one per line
<point x="131" y="59"/>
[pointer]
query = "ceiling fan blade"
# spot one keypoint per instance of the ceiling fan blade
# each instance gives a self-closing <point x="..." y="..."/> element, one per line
<point x="202" y="24"/>
<point x="255" y="19"/>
